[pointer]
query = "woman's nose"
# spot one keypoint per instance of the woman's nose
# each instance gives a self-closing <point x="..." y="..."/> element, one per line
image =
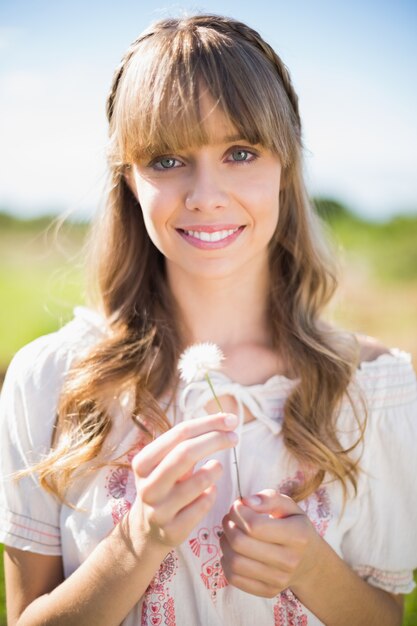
<point x="207" y="190"/>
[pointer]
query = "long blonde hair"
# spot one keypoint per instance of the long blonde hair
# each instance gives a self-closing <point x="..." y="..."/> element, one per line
<point x="153" y="108"/>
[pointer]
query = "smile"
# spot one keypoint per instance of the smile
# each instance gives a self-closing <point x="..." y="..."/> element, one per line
<point x="210" y="237"/>
<point x="216" y="236"/>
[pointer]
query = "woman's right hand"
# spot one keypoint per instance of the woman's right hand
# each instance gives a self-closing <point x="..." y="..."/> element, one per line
<point x="171" y="497"/>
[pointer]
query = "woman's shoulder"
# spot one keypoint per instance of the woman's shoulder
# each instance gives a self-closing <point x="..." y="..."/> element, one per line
<point x="386" y="375"/>
<point x="370" y="349"/>
<point x="382" y="398"/>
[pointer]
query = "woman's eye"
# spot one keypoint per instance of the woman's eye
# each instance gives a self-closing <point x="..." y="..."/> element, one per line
<point x="241" y="155"/>
<point x="165" y="163"/>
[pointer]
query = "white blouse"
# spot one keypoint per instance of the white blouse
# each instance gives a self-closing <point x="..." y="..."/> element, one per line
<point x="375" y="533"/>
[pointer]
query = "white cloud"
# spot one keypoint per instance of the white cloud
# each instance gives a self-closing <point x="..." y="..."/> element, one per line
<point x="53" y="138"/>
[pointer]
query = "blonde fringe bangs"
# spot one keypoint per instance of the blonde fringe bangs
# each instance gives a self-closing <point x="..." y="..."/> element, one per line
<point x="157" y="109"/>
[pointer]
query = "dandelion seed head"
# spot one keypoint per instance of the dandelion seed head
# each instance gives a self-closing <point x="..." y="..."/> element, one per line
<point x="198" y="360"/>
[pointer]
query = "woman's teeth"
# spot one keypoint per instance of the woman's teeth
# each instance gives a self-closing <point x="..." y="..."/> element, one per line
<point x="216" y="236"/>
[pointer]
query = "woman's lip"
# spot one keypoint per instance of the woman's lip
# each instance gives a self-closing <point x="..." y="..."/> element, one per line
<point x="210" y="245"/>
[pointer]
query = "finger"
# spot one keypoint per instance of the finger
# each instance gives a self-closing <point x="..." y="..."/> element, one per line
<point x="255" y="587"/>
<point x="190" y="516"/>
<point x="240" y="565"/>
<point x="257" y="525"/>
<point x="272" y="554"/>
<point x="180" y="460"/>
<point x="187" y="491"/>
<point x="265" y="528"/>
<point x="152" y="454"/>
<point x="273" y="502"/>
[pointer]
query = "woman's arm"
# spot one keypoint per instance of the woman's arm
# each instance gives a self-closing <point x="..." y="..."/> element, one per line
<point x="273" y="546"/>
<point x="101" y="591"/>
<point x="339" y="597"/>
<point x="171" y="500"/>
<point x="28" y="576"/>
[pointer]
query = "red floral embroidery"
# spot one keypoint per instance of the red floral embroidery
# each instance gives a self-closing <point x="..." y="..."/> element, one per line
<point x="316" y="506"/>
<point x="206" y="547"/>
<point x="166" y="571"/>
<point x="119" y="509"/>
<point x="116" y="486"/>
<point x="158" y="605"/>
<point x="169" y="612"/>
<point x="289" y="611"/>
<point x="117" y="481"/>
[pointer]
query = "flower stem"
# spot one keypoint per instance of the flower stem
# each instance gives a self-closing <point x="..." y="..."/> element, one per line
<point x="234" y="449"/>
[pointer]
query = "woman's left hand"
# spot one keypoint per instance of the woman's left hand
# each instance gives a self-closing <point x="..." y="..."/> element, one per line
<point x="270" y="546"/>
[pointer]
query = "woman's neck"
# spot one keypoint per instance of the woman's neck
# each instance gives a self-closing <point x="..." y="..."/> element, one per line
<point x="230" y="311"/>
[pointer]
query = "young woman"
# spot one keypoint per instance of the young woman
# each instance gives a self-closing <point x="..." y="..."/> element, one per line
<point x="119" y="501"/>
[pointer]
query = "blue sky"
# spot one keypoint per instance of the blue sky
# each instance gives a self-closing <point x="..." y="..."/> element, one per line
<point x="354" y="65"/>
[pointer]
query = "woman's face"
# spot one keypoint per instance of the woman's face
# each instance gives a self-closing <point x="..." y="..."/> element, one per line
<point x="211" y="210"/>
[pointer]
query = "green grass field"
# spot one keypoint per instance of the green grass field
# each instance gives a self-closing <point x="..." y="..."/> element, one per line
<point x="41" y="281"/>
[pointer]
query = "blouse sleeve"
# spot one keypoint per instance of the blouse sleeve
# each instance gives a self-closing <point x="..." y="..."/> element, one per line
<point x="381" y="544"/>
<point x="29" y="516"/>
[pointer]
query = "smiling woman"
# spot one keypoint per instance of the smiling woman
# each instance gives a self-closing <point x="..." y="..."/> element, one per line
<point x="127" y="500"/>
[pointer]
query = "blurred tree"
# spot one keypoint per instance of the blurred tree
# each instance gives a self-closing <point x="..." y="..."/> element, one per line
<point x="330" y="209"/>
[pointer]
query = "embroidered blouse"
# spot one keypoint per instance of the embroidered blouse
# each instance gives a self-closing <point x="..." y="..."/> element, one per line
<point x="375" y="533"/>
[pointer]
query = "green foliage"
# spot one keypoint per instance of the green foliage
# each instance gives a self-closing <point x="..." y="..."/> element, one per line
<point x="389" y="248"/>
<point x="410" y="607"/>
<point x="11" y="223"/>
<point x="40" y="281"/>
<point x="331" y="210"/>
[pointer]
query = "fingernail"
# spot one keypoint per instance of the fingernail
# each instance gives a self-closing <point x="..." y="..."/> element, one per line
<point x="233" y="437"/>
<point x="254" y="500"/>
<point x="231" y="420"/>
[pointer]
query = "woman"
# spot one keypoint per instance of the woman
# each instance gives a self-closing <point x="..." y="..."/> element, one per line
<point x="207" y="236"/>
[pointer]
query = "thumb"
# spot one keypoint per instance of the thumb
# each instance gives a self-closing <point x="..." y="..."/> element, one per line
<point x="273" y="502"/>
